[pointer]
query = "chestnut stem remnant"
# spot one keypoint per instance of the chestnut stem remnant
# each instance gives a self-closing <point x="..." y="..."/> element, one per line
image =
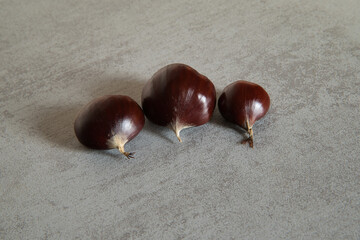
<point x="176" y="128"/>
<point x="177" y="132"/>
<point x="126" y="154"/>
<point x="250" y="139"/>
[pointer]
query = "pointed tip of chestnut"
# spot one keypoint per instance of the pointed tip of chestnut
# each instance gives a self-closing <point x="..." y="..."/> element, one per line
<point x="177" y="127"/>
<point x="119" y="144"/>
<point x="177" y="131"/>
<point x="128" y="155"/>
<point x="243" y="103"/>
<point x="178" y="137"/>
<point x="177" y="93"/>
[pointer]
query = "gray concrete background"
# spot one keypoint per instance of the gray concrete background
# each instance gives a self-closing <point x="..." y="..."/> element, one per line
<point x="301" y="181"/>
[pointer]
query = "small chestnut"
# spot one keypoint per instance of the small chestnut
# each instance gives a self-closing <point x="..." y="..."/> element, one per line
<point x="243" y="103"/>
<point x="109" y="122"/>
<point x="178" y="96"/>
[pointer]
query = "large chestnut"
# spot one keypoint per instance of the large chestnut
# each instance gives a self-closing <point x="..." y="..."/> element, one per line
<point x="243" y="103"/>
<point x="109" y="122"/>
<point x="178" y="96"/>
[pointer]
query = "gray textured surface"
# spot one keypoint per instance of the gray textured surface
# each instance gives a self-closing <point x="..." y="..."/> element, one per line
<point x="301" y="181"/>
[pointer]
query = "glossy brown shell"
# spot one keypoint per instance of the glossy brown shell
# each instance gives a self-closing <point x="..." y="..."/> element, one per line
<point x="243" y="100"/>
<point x="107" y="116"/>
<point x="177" y="92"/>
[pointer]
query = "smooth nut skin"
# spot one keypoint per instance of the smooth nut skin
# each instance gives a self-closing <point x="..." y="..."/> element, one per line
<point x="107" y="116"/>
<point x="178" y="93"/>
<point x="243" y="101"/>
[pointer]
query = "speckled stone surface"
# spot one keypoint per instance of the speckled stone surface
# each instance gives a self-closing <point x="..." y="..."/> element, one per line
<point x="301" y="181"/>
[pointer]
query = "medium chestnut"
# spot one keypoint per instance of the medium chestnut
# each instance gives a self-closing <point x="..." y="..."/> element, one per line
<point x="243" y="103"/>
<point x="178" y="96"/>
<point x="109" y="122"/>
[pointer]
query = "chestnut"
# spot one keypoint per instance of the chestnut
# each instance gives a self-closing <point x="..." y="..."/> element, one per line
<point x="178" y="96"/>
<point x="243" y="103"/>
<point x="109" y="122"/>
